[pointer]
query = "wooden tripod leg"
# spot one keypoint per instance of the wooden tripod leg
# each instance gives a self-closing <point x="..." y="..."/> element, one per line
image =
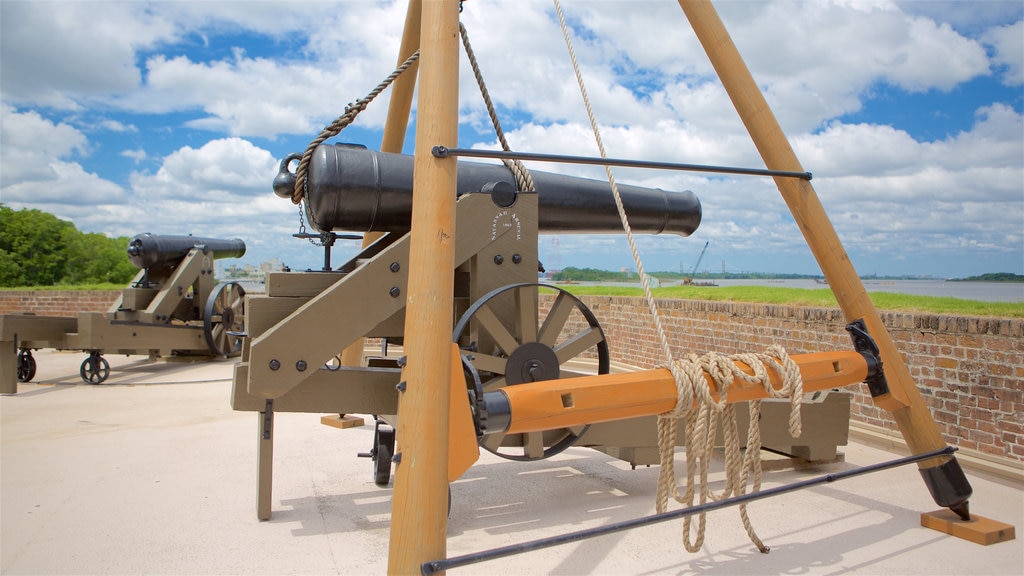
<point x="943" y="475"/>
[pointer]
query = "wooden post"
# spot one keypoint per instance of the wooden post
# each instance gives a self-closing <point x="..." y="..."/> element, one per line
<point x="394" y="129"/>
<point x="904" y="401"/>
<point x="419" y="506"/>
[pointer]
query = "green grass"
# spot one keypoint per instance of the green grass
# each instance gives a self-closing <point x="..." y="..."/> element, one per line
<point x="816" y="298"/>
<point x="822" y="297"/>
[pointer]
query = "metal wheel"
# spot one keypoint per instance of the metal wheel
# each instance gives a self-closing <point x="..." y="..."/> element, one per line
<point x="510" y="342"/>
<point x="384" y="444"/>
<point x="224" y="319"/>
<point x="95" y="369"/>
<point x="26" y="366"/>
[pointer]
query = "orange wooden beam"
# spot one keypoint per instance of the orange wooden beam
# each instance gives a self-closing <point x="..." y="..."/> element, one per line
<point x="569" y="402"/>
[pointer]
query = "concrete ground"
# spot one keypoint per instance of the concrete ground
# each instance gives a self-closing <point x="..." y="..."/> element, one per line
<point x="153" y="473"/>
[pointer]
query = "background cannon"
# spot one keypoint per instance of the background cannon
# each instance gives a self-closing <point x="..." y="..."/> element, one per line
<point x="172" y="306"/>
<point x="352" y="188"/>
<point x="148" y="251"/>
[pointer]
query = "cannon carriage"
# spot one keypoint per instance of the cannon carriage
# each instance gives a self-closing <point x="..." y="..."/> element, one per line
<point x="173" y="306"/>
<point x="510" y="328"/>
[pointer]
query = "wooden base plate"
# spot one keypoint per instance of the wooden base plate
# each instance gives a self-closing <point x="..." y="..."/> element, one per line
<point x="978" y="529"/>
<point x="346" y="421"/>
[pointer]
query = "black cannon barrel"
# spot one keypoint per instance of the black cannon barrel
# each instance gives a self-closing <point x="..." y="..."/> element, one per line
<point x="351" y="188"/>
<point x="154" y="250"/>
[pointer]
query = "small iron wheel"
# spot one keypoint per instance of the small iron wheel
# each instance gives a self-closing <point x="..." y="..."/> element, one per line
<point x="224" y="319"/>
<point x="509" y="341"/>
<point x="384" y="449"/>
<point x="95" y="369"/>
<point x="26" y="366"/>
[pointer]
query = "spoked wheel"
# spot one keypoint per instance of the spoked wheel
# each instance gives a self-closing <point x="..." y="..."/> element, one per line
<point x="509" y="342"/>
<point x="224" y="319"/>
<point x="26" y="366"/>
<point x="95" y="369"/>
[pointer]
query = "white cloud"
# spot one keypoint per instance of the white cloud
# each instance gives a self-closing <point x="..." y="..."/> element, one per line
<point x="226" y="170"/>
<point x="34" y="165"/>
<point x="1008" y="43"/>
<point x="293" y="69"/>
<point x="56" y="53"/>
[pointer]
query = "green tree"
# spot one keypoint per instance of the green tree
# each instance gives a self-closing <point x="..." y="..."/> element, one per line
<point x="96" y="258"/>
<point x="39" y="249"/>
<point x="31" y="240"/>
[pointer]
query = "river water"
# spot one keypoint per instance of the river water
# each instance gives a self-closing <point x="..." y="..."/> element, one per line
<point x="983" y="291"/>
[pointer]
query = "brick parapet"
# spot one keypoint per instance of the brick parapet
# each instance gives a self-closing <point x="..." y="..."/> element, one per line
<point x="56" y="302"/>
<point x="970" y="370"/>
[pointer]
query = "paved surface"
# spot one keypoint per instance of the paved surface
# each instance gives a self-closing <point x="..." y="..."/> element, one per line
<point x="153" y="473"/>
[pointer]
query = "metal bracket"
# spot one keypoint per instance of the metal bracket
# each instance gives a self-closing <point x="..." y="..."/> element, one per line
<point x="865" y="344"/>
<point x="268" y="420"/>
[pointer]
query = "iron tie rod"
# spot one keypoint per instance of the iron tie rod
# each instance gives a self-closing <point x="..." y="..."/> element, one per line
<point x="445" y="152"/>
<point x="436" y="566"/>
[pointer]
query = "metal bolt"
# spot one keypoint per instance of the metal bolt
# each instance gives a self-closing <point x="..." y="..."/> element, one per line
<point x="300" y="365"/>
<point x="275" y="365"/>
<point x="402" y="361"/>
<point x="395" y="292"/>
<point x="397" y="458"/>
<point x="400" y="386"/>
<point x="395" y="267"/>
<point x="516" y="258"/>
<point x="498" y="259"/>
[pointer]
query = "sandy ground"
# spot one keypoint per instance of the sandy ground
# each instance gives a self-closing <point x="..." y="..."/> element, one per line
<point x="153" y="473"/>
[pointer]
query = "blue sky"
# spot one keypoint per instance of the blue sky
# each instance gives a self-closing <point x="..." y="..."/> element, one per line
<point x="171" y="117"/>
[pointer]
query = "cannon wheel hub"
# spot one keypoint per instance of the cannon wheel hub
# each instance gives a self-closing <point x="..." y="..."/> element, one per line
<point x="531" y="362"/>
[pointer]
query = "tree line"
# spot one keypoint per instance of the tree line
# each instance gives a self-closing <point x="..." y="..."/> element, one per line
<point x="39" y="249"/>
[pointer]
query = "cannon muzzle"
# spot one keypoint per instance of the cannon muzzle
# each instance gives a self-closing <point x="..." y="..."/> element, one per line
<point x="351" y="188"/>
<point x="148" y="251"/>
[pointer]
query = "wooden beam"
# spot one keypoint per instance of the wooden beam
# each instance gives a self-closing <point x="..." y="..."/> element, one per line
<point x="419" y="507"/>
<point x="904" y="400"/>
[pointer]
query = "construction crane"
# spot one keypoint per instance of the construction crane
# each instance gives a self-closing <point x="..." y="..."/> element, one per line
<point x="689" y="279"/>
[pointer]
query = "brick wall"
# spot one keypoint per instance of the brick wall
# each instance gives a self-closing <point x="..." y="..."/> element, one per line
<point x="970" y="370"/>
<point x="56" y="302"/>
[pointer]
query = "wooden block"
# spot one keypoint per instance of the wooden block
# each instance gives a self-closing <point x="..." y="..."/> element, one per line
<point x="978" y="529"/>
<point x="346" y="421"/>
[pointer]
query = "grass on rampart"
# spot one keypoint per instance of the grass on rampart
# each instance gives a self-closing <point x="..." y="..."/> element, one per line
<point x="822" y="298"/>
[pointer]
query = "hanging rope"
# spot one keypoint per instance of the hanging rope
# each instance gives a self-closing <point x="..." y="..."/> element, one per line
<point x="522" y="175"/>
<point x="694" y="401"/>
<point x="340" y="123"/>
